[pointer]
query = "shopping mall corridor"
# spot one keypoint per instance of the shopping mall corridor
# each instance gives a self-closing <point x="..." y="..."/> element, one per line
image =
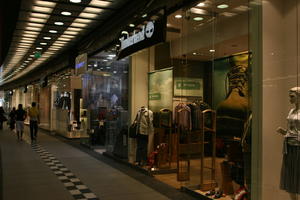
<point x="52" y="169"/>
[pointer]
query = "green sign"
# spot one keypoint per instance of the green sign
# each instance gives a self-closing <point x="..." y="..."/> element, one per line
<point x="155" y="96"/>
<point x="37" y="54"/>
<point x="188" y="87"/>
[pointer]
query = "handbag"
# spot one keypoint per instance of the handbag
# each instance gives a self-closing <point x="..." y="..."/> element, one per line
<point x="133" y="130"/>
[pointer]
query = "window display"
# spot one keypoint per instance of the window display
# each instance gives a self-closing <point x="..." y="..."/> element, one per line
<point x="290" y="176"/>
<point x="198" y="91"/>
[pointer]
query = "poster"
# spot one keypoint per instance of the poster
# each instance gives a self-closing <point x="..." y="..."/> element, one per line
<point x="161" y="89"/>
<point x="192" y="87"/>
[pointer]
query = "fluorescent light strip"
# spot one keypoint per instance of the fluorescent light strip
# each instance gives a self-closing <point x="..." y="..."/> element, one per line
<point x="67" y="36"/>
<point x="35" y="24"/>
<point x="93" y="10"/>
<point x="98" y="3"/>
<point x="71" y="32"/>
<point x="45" y="3"/>
<point x="40" y="15"/>
<point x="39" y="20"/>
<point x="88" y="15"/>
<point x="74" y="29"/>
<point x="31" y="32"/>
<point x="42" y="9"/>
<point x="86" y="21"/>
<point x="63" y="39"/>
<point x="78" y="25"/>
<point x="33" y="28"/>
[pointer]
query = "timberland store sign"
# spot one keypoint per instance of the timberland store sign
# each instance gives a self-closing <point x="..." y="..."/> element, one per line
<point x="150" y="34"/>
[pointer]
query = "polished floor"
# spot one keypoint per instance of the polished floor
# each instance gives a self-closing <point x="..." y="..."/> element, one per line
<point x="60" y="169"/>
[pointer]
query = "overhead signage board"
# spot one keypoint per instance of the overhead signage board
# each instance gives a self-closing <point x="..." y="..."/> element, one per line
<point x="81" y="64"/>
<point x="152" y="33"/>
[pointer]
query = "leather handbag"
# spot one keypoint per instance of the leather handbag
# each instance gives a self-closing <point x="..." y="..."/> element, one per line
<point x="133" y="130"/>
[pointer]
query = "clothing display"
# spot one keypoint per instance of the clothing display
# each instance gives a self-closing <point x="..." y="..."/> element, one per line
<point x="182" y="115"/>
<point x="290" y="174"/>
<point x="196" y="113"/>
<point x="145" y="135"/>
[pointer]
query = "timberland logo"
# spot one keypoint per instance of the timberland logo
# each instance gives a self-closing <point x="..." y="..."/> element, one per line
<point x="146" y="32"/>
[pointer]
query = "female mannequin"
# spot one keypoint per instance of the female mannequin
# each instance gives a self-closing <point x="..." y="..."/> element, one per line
<point x="290" y="172"/>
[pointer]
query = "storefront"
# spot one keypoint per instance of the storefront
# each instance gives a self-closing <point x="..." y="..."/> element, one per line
<point x="104" y="104"/>
<point x="190" y="91"/>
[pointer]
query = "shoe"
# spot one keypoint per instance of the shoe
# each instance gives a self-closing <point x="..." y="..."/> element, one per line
<point x="210" y="193"/>
<point x="218" y="194"/>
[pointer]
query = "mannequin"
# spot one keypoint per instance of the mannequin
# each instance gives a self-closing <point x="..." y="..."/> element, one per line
<point x="290" y="172"/>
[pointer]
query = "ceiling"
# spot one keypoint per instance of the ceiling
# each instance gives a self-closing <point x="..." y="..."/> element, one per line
<point x="47" y="27"/>
<point x="188" y="26"/>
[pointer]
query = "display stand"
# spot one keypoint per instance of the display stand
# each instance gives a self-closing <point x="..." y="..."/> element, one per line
<point x="210" y="116"/>
<point x="186" y="147"/>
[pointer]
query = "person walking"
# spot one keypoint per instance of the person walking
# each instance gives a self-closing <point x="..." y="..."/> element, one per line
<point x="2" y="117"/>
<point x="12" y="119"/>
<point x="34" y="118"/>
<point x="20" y="117"/>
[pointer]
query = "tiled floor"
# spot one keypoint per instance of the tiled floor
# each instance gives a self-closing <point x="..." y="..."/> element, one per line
<point x="27" y="175"/>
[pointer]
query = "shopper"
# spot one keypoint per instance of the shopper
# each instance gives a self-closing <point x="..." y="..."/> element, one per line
<point x="34" y="121"/>
<point x="20" y="117"/>
<point x="12" y="119"/>
<point x="2" y="117"/>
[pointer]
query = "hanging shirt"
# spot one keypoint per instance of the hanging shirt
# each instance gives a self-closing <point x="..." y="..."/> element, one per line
<point x="183" y="116"/>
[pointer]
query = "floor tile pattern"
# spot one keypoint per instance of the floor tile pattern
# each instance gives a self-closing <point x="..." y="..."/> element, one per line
<point x="73" y="184"/>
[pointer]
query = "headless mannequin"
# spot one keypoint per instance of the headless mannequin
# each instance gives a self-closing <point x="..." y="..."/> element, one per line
<point x="293" y="124"/>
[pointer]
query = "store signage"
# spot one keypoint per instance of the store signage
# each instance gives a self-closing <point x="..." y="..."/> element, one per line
<point x="81" y="64"/>
<point x="188" y="87"/>
<point x="150" y="34"/>
<point x="155" y="96"/>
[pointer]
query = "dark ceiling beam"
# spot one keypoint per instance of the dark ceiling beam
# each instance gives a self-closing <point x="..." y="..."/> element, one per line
<point x="9" y="11"/>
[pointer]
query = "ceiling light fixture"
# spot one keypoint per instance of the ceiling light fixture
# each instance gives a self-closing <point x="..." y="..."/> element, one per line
<point x="75" y="1"/>
<point x="88" y="15"/>
<point x="52" y="31"/>
<point x="222" y="6"/>
<point x="59" y="23"/>
<point x="66" y="13"/>
<point x="99" y="3"/>
<point x="42" y="9"/>
<point x="43" y="43"/>
<point x="144" y="15"/>
<point x="39" y="48"/>
<point x="47" y="38"/>
<point x="194" y="53"/>
<point x="131" y="25"/>
<point x="201" y="4"/>
<point x="212" y="50"/>
<point x="198" y="18"/>
<point x="178" y="16"/>
<point x="93" y="10"/>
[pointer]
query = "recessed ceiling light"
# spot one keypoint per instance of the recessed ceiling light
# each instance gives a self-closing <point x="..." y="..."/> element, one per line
<point x="198" y="18"/>
<point x="131" y="25"/>
<point x="199" y="11"/>
<point x="144" y="15"/>
<point x="39" y="48"/>
<point x="26" y="61"/>
<point x="201" y="4"/>
<point x="222" y="6"/>
<point x="47" y="38"/>
<point x="66" y="13"/>
<point x="75" y="1"/>
<point x="111" y="55"/>
<point x="194" y="53"/>
<point x="59" y="23"/>
<point x="212" y="50"/>
<point x="43" y="43"/>
<point x="117" y="45"/>
<point x="178" y="16"/>
<point x="52" y="31"/>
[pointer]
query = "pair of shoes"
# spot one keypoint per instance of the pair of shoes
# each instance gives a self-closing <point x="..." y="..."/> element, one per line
<point x="218" y="194"/>
<point x="210" y="193"/>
